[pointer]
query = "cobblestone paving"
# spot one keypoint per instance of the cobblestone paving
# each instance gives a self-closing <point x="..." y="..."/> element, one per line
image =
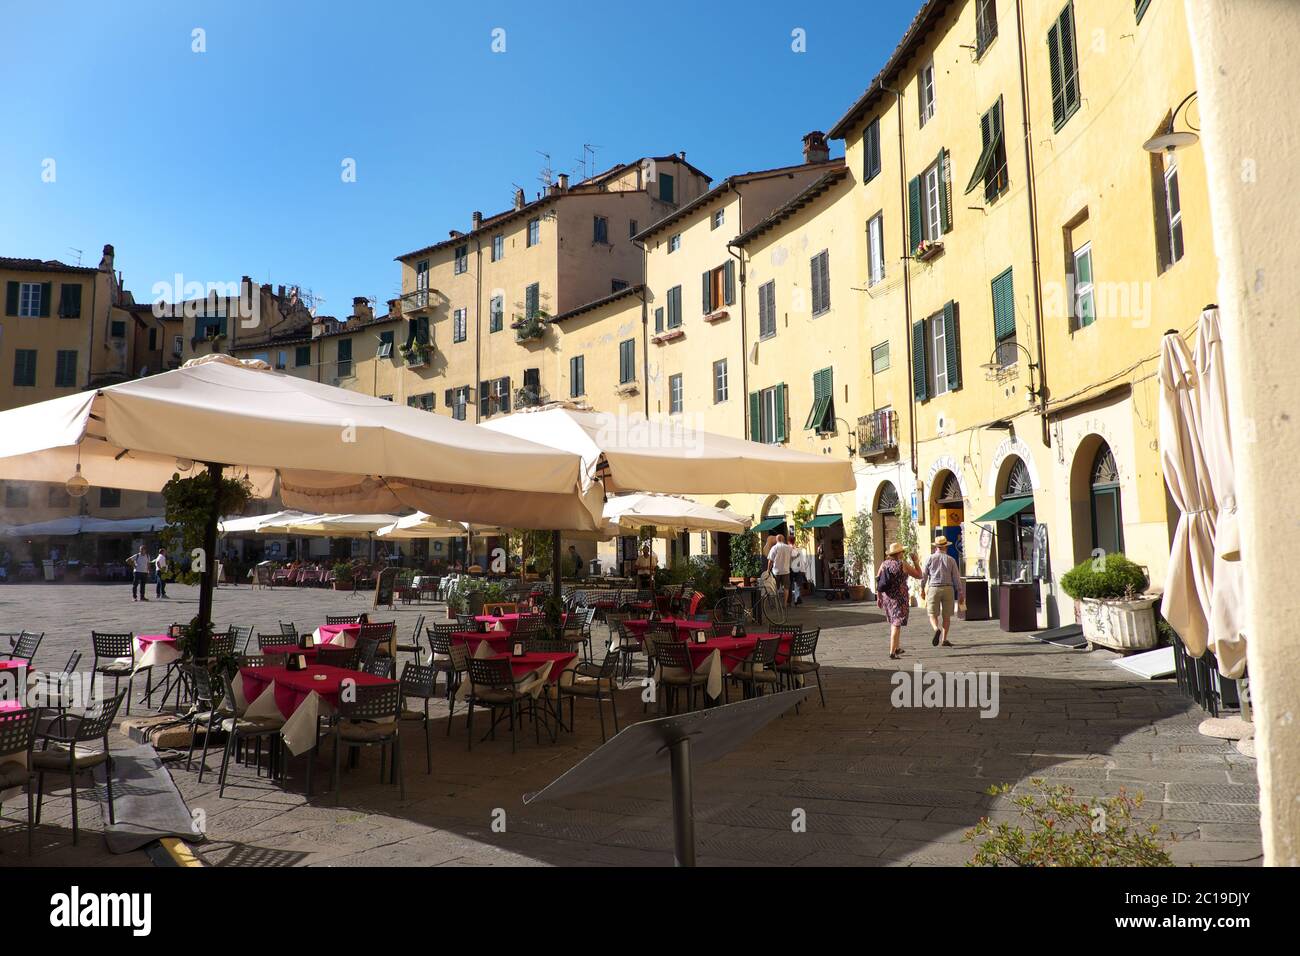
<point x="879" y="785"/>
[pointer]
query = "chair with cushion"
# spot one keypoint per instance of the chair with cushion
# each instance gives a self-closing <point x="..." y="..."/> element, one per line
<point x="65" y="751"/>
<point x="239" y="728"/>
<point x="802" y="661"/>
<point x="418" y="682"/>
<point x="413" y="646"/>
<point x="756" y="670"/>
<point x="372" y="718"/>
<point x="597" y="682"/>
<point x="677" y="672"/>
<point x="493" y="685"/>
<point x="114" y="656"/>
<point x="17" y="734"/>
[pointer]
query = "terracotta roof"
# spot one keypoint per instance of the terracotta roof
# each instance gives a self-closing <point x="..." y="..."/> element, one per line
<point x="725" y="186"/>
<point x="797" y="202"/>
<point x="38" y="265"/>
<point x="603" y="300"/>
<point x="925" y="18"/>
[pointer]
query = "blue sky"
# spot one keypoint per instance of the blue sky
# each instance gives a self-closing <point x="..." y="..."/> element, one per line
<point x="229" y="162"/>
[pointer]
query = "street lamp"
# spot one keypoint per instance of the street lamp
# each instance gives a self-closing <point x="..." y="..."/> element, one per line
<point x="1169" y="141"/>
<point x="996" y="365"/>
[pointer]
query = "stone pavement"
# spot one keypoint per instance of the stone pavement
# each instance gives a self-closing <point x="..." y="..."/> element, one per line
<point x="879" y="785"/>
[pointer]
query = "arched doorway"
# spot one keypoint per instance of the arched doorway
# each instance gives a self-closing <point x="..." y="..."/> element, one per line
<point x="948" y="513"/>
<point x="886" y="523"/>
<point x="720" y="543"/>
<point x="1016" y="524"/>
<point x="1104" y="499"/>
<point x="827" y="546"/>
<point x="772" y="522"/>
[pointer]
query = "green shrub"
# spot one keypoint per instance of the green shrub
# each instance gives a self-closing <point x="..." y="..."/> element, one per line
<point x="746" y="562"/>
<point x="343" y="572"/>
<point x="1110" y="576"/>
<point x="704" y="571"/>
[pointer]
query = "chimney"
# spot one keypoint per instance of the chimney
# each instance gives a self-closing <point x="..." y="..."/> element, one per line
<point x="361" y="308"/>
<point x="106" y="263"/>
<point x="454" y="233"/>
<point x="564" y="182"/>
<point x="519" y="199"/>
<point x="279" y="292"/>
<point x="815" y="149"/>
<point x="477" y="218"/>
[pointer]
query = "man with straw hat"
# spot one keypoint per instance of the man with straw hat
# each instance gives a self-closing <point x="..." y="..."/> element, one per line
<point x="942" y="579"/>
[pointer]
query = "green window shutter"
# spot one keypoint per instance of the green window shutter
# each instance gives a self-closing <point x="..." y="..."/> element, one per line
<point x="986" y="154"/>
<point x="1054" y="66"/>
<point x="532" y="297"/>
<point x="780" y="414"/>
<point x="822" y="388"/>
<point x="1069" y="60"/>
<point x="952" y="345"/>
<point x="824" y="266"/>
<point x="914" y="212"/>
<point x="47" y="290"/>
<point x="755" y="417"/>
<point x="707" y="304"/>
<point x="945" y="206"/>
<point x="1004" y="307"/>
<point x="729" y="282"/>
<point x="11" y="298"/>
<point x="919" y="378"/>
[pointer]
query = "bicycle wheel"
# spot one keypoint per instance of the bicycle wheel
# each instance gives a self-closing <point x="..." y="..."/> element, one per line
<point x="773" y="608"/>
<point x="729" y="610"/>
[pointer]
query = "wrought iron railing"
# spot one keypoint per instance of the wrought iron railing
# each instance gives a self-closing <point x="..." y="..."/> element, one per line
<point x="878" y="432"/>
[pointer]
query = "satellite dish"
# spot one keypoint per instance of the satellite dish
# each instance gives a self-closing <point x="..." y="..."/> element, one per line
<point x="1169" y="142"/>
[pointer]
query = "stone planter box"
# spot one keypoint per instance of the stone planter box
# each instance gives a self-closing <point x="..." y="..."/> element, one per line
<point x="345" y="586"/>
<point x="1126" y="626"/>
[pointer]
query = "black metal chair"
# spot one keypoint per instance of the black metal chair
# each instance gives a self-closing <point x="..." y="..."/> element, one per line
<point x="221" y="645"/>
<point x="379" y="667"/>
<point x="677" y="671"/>
<point x="413" y="646"/>
<point x="440" y="645"/>
<point x="277" y="639"/>
<point x="244" y="638"/>
<point x="329" y="656"/>
<point x="597" y="682"/>
<point x="210" y="707"/>
<point x="257" y="660"/>
<point x="63" y="757"/>
<point x="115" y="658"/>
<point x="23" y="646"/>
<point x="493" y="685"/>
<point x="467" y="622"/>
<point x="54" y="688"/>
<point x="345" y="619"/>
<point x="239" y="728"/>
<point x="418" y="681"/>
<point x="17" y="734"/>
<point x="290" y="631"/>
<point x="756" y="671"/>
<point x="545" y="645"/>
<point x="372" y="718"/>
<point x="802" y="661"/>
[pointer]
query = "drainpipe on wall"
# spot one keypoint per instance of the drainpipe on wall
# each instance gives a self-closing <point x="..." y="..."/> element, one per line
<point x="744" y="338"/>
<point x="478" y="327"/>
<point x="645" y="328"/>
<point x="1031" y="185"/>
<point x="907" y="290"/>
<point x="90" y="345"/>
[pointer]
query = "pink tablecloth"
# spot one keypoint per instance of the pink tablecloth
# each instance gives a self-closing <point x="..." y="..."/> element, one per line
<point x="499" y="641"/>
<point x="684" y="626"/>
<point x="285" y="649"/>
<point x="14" y="664"/>
<point x="145" y="641"/>
<point x="340" y="635"/>
<point x="293" y="687"/>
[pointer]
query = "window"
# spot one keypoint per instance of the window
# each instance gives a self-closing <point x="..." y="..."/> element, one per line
<point x="493" y="397"/>
<point x="457" y="399"/>
<point x="1085" y="301"/>
<point x="821" y="417"/>
<point x="821" y="282"/>
<point x="24" y="366"/>
<point x="65" y="368"/>
<point x="675" y="394"/>
<point x="600" y="230"/>
<point x="925" y="92"/>
<point x="15" y="496"/>
<point x="345" y="358"/>
<point x="632" y="229"/>
<point x="153" y="340"/>
<point x="627" y="361"/>
<point x="675" y="307"/>
<point x="767" y="309"/>
<point x="31" y="299"/>
<point x="207" y="326"/>
<point x="421" y="284"/>
<point x="720" y="287"/>
<point x="459" y="326"/>
<point x="117" y="329"/>
<point x="262" y="357"/>
<point x="423" y="402"/>
<point x="767" y="415"/>
<point x="385" y="349"/>
<point x="534" y="232"/>
<point x="928" y="205"/>
<point x="484" y="399"/>
<point x="498" y="248"/>
<point x="879" y="358"/>
<point x="666" y="187"/>
<point x="70" y="300"/>
<point x="110" y="497"/>
<point x="871" y="151"/>
<point x="931" y="210"/>
<point x="659" y="320"/>
<point x="417" y="332"/>
<point x="1168" y="208"/>
<point x="389" y="398"/>
<point x="462" y="259"/>
<point x="1004" y="319"/>
<point x="674" y="243"/>
<point x="936" y="354"/>
<point x="532" y="300"/>
<point x="302" y="356"/>
<point x="178" y="345"/>
<point x="1063" y="64"/>
<point x="617" y="285"/>
<point x="986" y="25"/>
<point x="876" y="249"/>
<point x="718" y="219"/>
<point x="281" y="359"/>
<point x="496" y="313"/>
<point x="577" y="376"/>
<point x="719" y="381"/>
<point x="58" y="497"/>
<point x="991" y="168"/>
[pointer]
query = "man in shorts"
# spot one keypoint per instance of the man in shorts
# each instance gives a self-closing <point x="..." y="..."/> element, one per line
<point x="778" y="564"/>
<point x="941" y="590"/>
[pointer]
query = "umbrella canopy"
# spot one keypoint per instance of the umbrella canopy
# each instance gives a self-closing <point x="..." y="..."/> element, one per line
<point x="1226" y="605"/>
<point x="631" y="512"/>
<point x="633" y="454"/>
<point x="331" y="526"/>
<point x="66" y="527"/>
<point x="421" y="525"/>
<point x="1189" y="583"/>
<point x="330" y="450"/>
<point x="255" y="523"/>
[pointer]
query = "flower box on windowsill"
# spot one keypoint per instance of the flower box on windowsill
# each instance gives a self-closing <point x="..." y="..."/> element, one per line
<point x="927" y="250"/>
<point x="672" y="335"/>
<point x="717" y="316"/>
<point x="417" y="357"/>
<point x="628" y="388"/>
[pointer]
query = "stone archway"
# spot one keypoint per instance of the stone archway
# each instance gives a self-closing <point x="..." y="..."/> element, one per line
<point x="884" y="519"/>
<point x="1096" y="506"/>
<point x="947" y="500"/>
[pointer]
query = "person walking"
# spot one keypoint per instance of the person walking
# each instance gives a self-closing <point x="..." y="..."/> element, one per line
<point x="798" y="572"/>
<point x="891" y="593"/>
<point x="778" y="564"/>
<point x="645" y="568"/>
<point x="160" y="569"/>
<point x="139" y="565"/>
<point x="942" y="579"/>
<point x="576" y="559"/>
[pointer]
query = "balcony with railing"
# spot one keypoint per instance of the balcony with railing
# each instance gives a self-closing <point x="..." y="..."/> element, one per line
<point x="530" y="396"/>
<point x="413" y="303"/>
<point x="878" y="434"/>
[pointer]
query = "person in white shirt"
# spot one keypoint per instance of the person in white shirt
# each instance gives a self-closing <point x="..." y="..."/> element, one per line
<point x="798" y="572"/>
<point x="941" y="578"/>
<point x="160" y="568"/>
<point x="139" y="565"/>
<point x="778" y="564"/>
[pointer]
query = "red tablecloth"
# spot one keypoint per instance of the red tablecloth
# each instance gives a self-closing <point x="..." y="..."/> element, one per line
<point x="531" y="661"/>
<point x="285" y="649"/>
<point x="509" y="621"/>
<point x="14" y="664"/>
<point x="293" y="687"/>
<point x="731" y="650"/>
<point x="683" y="626"/>
<point x="499" y="641"/>
<point x="144" y="640"/>
<point x="10" y="705"/>
<point x="329" y="632"/>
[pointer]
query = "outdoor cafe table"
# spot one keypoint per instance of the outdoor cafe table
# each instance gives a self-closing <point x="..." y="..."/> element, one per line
<point x="340" y="635"/>
<point x="718" y="656"/>
<point x="499" y="641"/>
<point x="683" y="625"/>
<point x="509" y="621"/>
<point x="156" y="650"/>
<point x="285" y="650"/>
<point x="547" y="667"/>
<point x="300" y="697"/>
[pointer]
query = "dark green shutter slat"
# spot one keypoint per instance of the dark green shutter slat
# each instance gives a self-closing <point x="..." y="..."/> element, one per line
<point x="1054" y="63"/>
<point x="11" y="298"/>
<point x="755" y="417"/>
<point x="1069" y="59"/>
<point x="914" y="211"/>
<point x="986" y="153"/>
<point x="1004" y="306"/>
<point x="729" y="282"/>
<point x="47" y="290"/>
<point x="945" y="207"/>
<point x="919" y="379"/>
<point x="952" y="345"/>
<point x="780" y="413"/>
<point x="707" y="304"/>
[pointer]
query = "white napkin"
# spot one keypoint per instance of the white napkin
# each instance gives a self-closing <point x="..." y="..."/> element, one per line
<point x="159" y="654"/>
<point x="264" y="706"/>
<point x="240" y="702"/>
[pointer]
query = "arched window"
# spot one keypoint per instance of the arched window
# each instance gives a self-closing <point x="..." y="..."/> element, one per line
<point x="1019" y="484"/>
<point x="951" y="491"/>
<point x="888" y="502"/>
<point x="1104" y="495"/>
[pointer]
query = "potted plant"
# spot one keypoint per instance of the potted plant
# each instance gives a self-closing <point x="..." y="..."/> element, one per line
<point x="1110" y="603"/>
<point x="343" y="577"/>
<point x="530" y="328"/>
<point x="416" y="353"/>
<point x="857" y="555"/>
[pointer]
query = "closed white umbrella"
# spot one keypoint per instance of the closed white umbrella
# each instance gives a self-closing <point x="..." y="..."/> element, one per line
<point x="631" y="512"/>
<point x="421" y="525"/>
<point x="254" y="524"/>
<point x="1226" y="605"/>
<point x="1189" y="583"/>
<point x="331" y="526"/>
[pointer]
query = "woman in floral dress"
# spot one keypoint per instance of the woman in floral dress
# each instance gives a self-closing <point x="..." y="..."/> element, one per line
<point x="892" y="594"/>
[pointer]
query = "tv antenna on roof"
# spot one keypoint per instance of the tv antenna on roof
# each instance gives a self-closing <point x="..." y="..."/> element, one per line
<point x="588" y="160"/>
<point x="78" y="252"/>
<point x="547" y="175"/>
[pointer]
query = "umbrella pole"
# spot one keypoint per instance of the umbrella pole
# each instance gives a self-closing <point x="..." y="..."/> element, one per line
<point x="208" y="579"/>
<point x="555" y="565"/>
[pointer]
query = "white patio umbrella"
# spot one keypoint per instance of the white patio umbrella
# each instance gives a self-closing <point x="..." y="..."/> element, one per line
<point x="326" y="448"/>
<point x="1189" y="583"/>
<point x="331" y="526"/>
<point x="1226" y="604"/>
<point x="254" y="524"/>
<point x="631" y="512"/>
<point x="421" y="525"/>
<point x="83" y="524"/>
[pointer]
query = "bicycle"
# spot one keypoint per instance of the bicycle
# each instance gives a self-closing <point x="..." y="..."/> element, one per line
<point x="735" y="609"/>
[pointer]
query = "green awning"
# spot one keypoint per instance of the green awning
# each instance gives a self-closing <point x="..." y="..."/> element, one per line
<point x="823" y="521"/>
<point x="1007" y="509"/>
<point x="769" y="524"/>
